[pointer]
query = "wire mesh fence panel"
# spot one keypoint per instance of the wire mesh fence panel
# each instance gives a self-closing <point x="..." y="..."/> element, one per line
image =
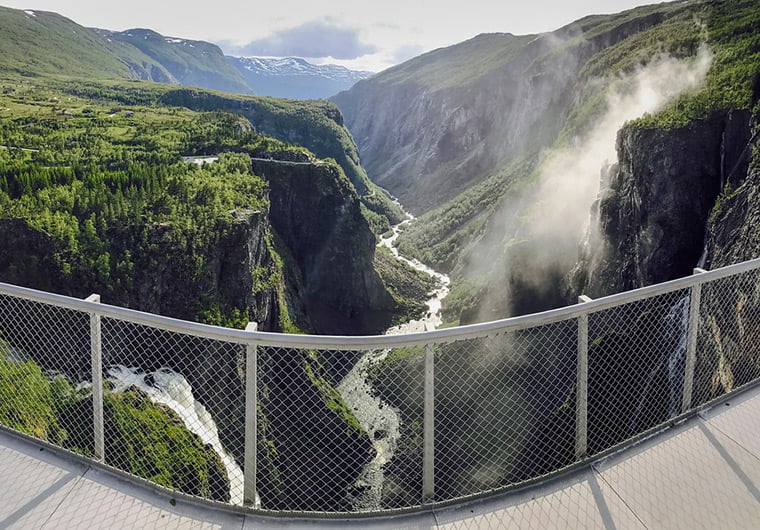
<point x="44" y="371"/>
<point x="501" y="408"/>
<point x="174" y="409"/>
<point x="313" y="448"/>
<point x="340" y="430"/>
<point x="728" y="345"/>
<point x="396" y="380"/>
<point x="636" y="367"/>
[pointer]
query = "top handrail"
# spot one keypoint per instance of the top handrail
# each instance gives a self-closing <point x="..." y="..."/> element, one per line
<point x="370" y="342"/>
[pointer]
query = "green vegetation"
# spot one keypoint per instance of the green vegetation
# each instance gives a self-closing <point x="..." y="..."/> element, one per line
<point x="189" y="62"/>
<point x="316" y="124"/>
<point x="104" y="185"/>
<point x="143" y="438"/>
<point x="409" y="287"/>
<point x="441" y="236"/>
<point x="450" y="235"/>
<point x="314" y="369"/>
<point x="48" y="43"/>
<point x="26" y="400"/>
<point x="733" y="79"/>
<point x="151" y="441"/>
<point x="460" y="64"/>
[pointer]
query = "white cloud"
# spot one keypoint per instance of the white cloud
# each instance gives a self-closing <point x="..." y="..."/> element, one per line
<point x="382" y="26"/>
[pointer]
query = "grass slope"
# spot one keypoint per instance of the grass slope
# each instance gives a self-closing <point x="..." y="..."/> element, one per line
<point x="47" y="43"/>
<point x="190" y="62"/>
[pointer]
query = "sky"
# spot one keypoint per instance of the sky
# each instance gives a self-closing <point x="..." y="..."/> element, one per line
<point x="356" y="34"/>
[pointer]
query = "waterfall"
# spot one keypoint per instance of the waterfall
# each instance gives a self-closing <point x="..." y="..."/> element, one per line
<point x="676" y="331"/>
<point x="675" y="327"/>
<point x="171" y="389"/>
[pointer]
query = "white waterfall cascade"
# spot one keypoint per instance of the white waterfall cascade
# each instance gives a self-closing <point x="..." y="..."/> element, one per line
<point x="172" y="390"/>
<point x="677" y="322"/>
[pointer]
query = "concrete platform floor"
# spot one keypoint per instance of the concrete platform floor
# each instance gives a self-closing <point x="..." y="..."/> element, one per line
<point x="704" y="473"/>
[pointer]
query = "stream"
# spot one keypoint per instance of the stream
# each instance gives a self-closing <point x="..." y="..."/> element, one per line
<point x="377" y="418"/>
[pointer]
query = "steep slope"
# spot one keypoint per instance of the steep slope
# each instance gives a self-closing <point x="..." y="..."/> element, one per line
<point x="316" y="125"/>
<point x="679" y="188"/>
<point x="99" y="200"/>
<point x="190" y="62"/>
<point x="458" y="114"/>
<point x="511" y="237"/>
<point x="295" y="78"/>
<point x="40" y="42"/>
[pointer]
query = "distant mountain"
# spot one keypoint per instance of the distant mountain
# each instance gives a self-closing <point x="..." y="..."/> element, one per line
<point x="189" y="62"/>
<point x="41" y="42"/>
<point x="295" y="78"/>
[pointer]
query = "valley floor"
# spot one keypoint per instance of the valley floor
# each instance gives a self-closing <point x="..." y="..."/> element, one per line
<point x="702" y="473"/>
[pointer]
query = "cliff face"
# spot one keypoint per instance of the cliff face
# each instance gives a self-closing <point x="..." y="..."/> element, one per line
<point x="682" y="198"/>
<point x="305" y="429"/>
<point x="317" y="215"/>
<point x="430" y="128"/>
<point x="172" y="275"/>
<point x="653" y="211"/>
<point x="317" y="125"/>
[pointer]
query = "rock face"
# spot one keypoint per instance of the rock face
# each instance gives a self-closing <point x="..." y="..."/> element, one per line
<point x="169" y="272"/>
<point x="433" y="126"/>
<point x="187" y="62"/>
<point x="317" y="214"/>
<point x="315" y="225"/>
<point x="316" y="125"/>
<point x="682" y="198"/>
<point x="650" y="228"/>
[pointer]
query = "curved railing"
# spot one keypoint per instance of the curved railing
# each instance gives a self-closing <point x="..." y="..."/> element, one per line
<point x="364" y="425"/>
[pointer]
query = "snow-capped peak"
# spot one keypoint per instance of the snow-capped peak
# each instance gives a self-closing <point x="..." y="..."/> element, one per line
<point x="279" y="66"/>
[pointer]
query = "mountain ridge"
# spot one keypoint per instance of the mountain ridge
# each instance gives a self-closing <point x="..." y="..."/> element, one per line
<point x="294" y="77"/>
<point x="37" y="41"/>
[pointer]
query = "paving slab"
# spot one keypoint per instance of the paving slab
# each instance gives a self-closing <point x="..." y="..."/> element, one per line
<point x="691" y="477"/>
<point x="32" y="485"/>
<point x="704" y="473"/>
<point x="579" y="501"/>
<point x="101" y="501"/>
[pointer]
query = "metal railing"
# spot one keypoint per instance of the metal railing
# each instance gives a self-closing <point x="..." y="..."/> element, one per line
<point x="365" y="425"/>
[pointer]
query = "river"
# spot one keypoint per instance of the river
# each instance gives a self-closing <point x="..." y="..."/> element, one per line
<point x="377" y="418"/>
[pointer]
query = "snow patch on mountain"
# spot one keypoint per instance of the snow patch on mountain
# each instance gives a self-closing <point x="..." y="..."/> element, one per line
<point x="297" y="66"/>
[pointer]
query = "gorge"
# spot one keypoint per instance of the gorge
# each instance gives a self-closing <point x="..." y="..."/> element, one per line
<point x="613" y="153"/>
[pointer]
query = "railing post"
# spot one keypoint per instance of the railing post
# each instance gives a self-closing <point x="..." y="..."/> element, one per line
<point x="691" y="343"/>
<point x="581" y="387"/>
<point x="428" y="458"/>
<point x="251" y="398"/>
<point x="96" y="356"/>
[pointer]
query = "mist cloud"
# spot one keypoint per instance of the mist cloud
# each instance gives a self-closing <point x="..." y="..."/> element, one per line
<point x="313" y="39"/>
<point x="557" y="215"/>
<point x="570" y="178"/>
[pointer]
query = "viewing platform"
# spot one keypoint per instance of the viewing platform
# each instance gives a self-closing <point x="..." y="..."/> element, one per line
<point x="637" y="410"/>
<point x="703" y="473"/>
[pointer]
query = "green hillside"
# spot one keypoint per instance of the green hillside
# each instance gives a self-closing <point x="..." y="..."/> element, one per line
<point x="190" y="62"/>
<point x="40" y="42"/>
<point x="489" y="112"/>
<point x="44" y="43"/>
